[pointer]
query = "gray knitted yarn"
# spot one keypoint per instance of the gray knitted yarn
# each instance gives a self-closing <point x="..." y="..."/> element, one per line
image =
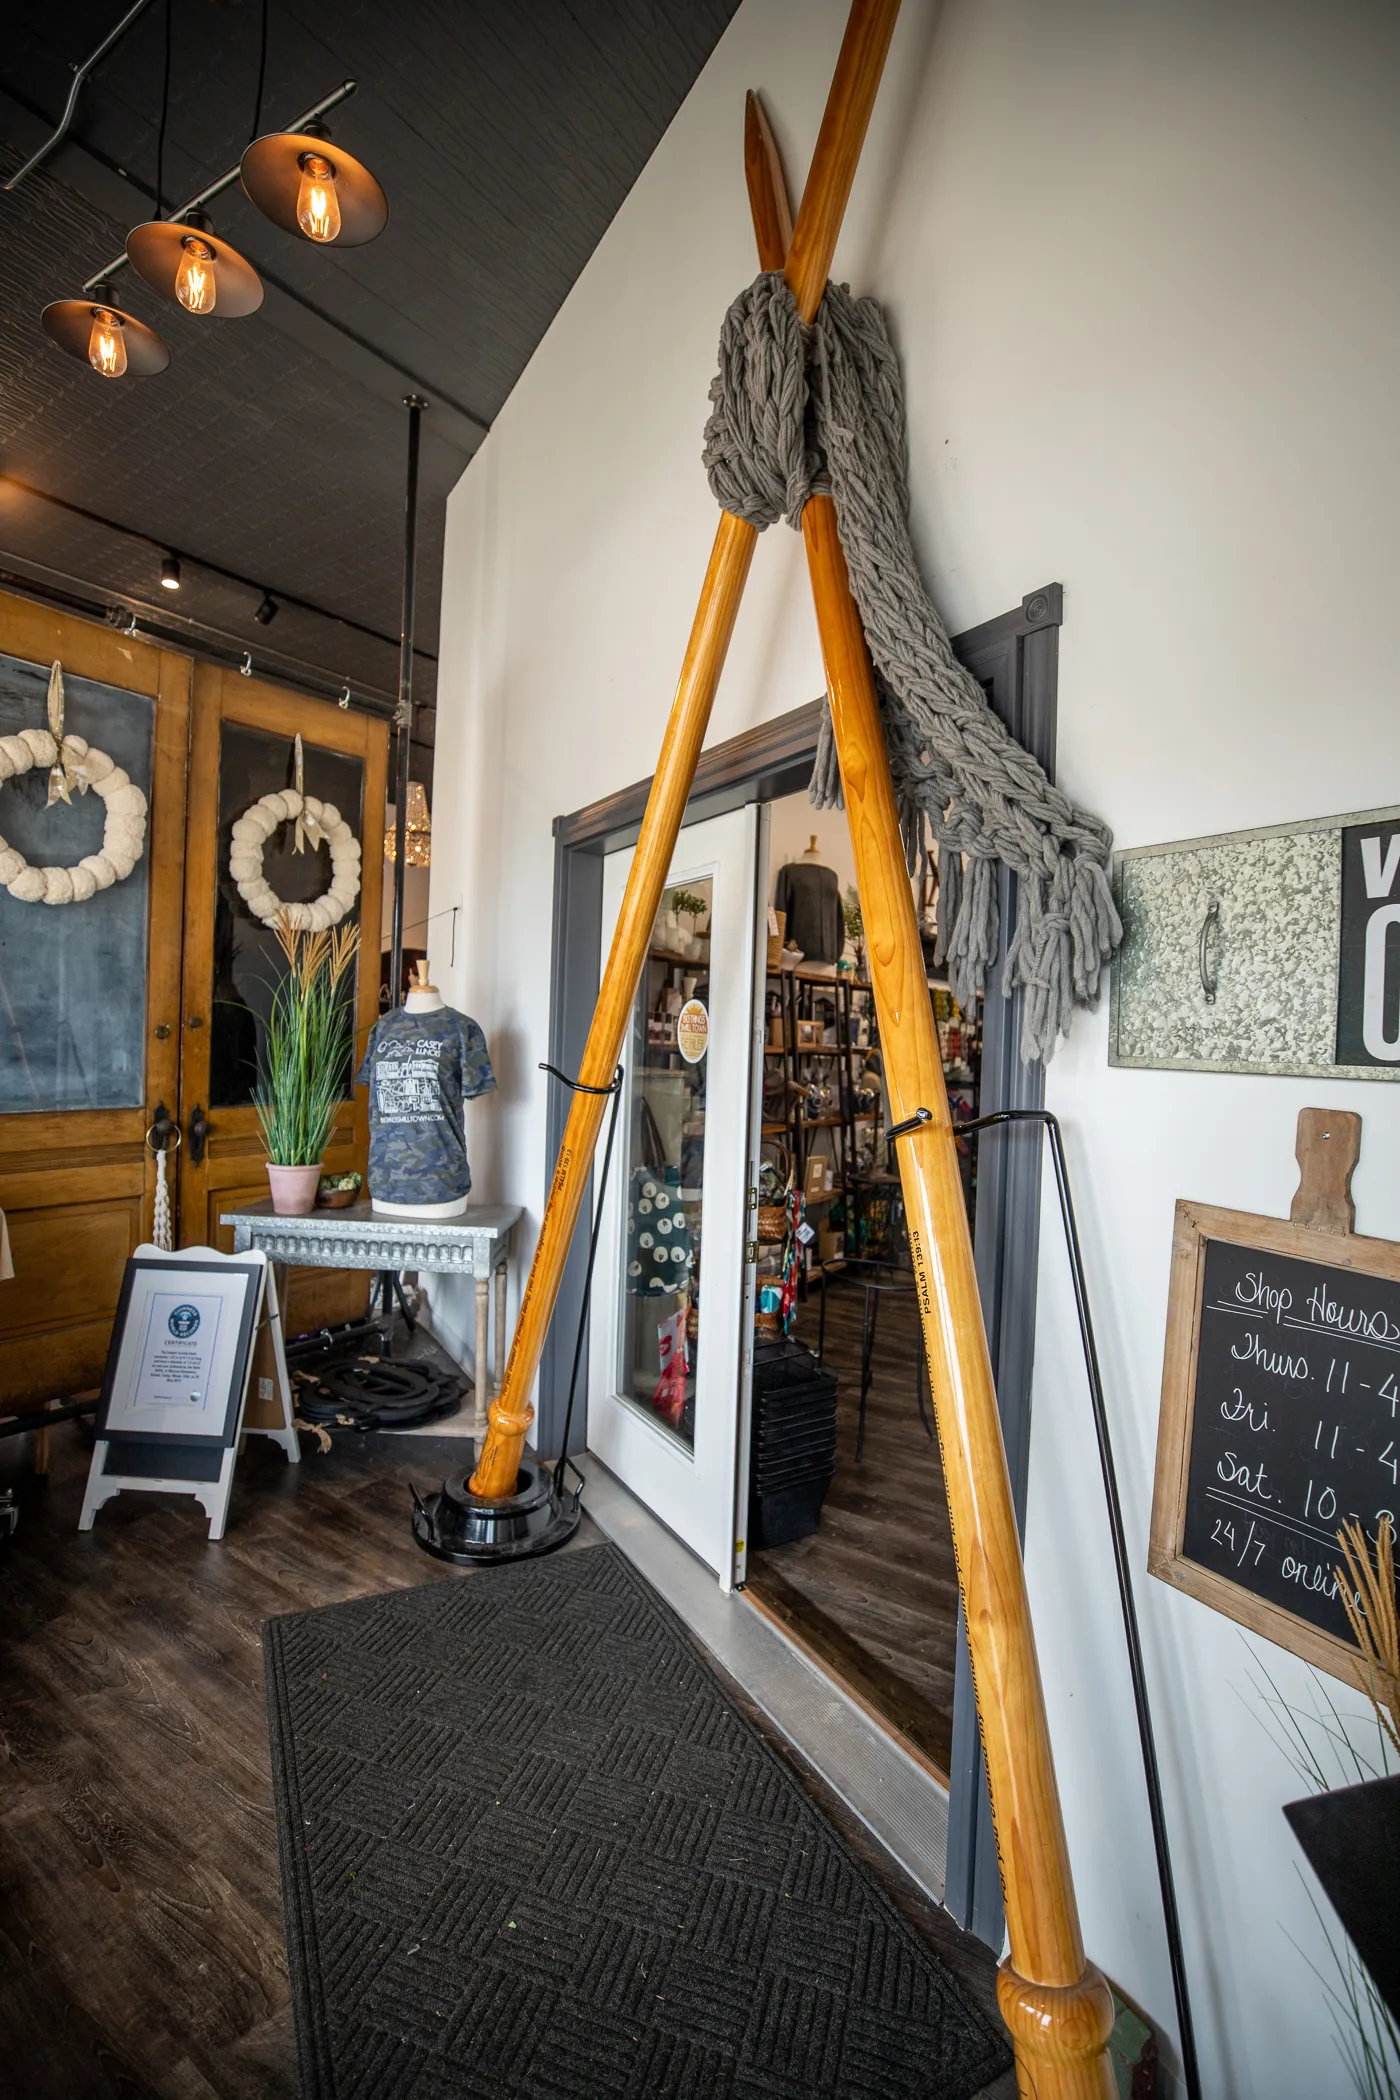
<point x="795" y="408"/>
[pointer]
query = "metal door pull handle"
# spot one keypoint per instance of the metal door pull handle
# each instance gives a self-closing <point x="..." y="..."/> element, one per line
<point x="1209" y="976"/>
<point x="198" y="1134"/>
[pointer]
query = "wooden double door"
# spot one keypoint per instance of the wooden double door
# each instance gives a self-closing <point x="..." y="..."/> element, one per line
<point x="137" y="1010"/>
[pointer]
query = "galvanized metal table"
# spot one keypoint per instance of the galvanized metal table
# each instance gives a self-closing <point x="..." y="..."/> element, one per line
<point x="476" y="1244"/>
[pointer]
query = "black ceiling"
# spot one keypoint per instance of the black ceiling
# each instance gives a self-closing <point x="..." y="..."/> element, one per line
<point x="506" y="134"/>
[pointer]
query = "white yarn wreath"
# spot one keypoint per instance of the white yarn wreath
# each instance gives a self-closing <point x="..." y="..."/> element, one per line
<point x="123" y="834"/>
<point x="320" y="820"/>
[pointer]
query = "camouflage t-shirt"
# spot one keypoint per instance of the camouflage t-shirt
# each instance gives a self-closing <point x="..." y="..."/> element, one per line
<point x="419" y="1069"/>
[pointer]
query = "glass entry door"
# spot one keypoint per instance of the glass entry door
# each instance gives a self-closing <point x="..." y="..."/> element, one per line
<point x="242" y="748"/>
<point x="670" y="1324"/>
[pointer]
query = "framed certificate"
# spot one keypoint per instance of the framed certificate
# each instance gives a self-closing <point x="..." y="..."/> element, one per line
<point x="194" y="1331"/>
<point x="178" y="1365"/>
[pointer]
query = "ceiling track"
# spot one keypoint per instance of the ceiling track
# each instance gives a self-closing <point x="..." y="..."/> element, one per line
<point x="80" y="74"/>
<point x="211" y="568"/>
<point x="212" y="644"/>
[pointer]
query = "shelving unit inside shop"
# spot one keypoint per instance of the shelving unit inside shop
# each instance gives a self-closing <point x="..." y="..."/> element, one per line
<point x="824" y="1103"/>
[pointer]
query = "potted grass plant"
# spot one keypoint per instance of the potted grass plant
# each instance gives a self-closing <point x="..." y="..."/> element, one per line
<point x="1351" y="1834"/>
<point x="303" y="1058"/>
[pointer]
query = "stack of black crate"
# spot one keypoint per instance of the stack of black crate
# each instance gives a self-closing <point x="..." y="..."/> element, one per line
<point x="793" y="1450"/>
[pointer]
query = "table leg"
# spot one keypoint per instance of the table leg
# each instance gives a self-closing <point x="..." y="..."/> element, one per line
<point x="498" y="1354"/>
<point x="41" y="1447"/>
<point x="481" y="1373"/>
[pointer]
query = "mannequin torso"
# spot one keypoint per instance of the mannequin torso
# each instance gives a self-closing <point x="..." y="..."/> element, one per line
<point x="426" y="1081"/>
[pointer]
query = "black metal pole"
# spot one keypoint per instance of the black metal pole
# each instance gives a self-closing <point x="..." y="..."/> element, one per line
<point x="615" y="1089"/>
<point x="403" y="714"/>
<point x="1157" y="1814"/>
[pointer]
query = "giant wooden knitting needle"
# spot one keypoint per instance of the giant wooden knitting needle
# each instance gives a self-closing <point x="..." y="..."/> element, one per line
<point x="848" y="106"/>
<point x="1058" y="2008"/>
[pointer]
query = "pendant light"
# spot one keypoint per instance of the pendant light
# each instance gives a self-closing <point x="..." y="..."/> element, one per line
<point x="96" y="330"/>
<point x="180" y="259"/>
<point x="311" y="188"/>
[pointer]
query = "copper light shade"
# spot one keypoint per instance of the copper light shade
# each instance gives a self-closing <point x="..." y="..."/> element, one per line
<point x="70" y="324"/>
<point x="163" y="251"/>
<point x="273" y="169"/>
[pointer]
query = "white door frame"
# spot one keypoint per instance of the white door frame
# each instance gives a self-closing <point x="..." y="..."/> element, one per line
<point x="694" y="1492"/>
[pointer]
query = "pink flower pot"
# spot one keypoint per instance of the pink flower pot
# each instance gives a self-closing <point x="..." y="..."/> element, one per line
<point x="294" y="1189"/>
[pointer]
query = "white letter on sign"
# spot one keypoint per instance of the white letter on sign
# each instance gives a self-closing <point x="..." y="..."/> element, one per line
<point x="1373" y="1035"/>
<point x="1378" y="878"/>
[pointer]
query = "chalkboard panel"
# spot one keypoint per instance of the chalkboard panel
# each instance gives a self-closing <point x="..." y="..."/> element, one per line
<point x="62" y="965"/>
<point x="1280" y="1420"/>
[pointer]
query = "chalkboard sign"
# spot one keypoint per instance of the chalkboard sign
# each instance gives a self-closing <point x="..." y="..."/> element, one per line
<point x="1280" y="1420"/>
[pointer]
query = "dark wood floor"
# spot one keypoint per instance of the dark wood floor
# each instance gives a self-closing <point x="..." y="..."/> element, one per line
<point x="141" y="1948"/>
<point x="874" y="1591"/>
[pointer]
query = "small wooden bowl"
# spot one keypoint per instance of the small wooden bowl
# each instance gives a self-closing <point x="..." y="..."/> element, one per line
<point x="337" y="1199"/>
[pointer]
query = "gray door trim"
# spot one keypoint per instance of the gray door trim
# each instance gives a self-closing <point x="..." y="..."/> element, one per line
<point x="1016" y="657"/>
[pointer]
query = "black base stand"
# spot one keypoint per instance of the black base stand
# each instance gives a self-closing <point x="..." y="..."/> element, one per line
<point x="459" y="1526"/>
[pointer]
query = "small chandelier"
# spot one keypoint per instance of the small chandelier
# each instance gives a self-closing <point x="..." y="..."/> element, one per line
<point x="418" y="830"/>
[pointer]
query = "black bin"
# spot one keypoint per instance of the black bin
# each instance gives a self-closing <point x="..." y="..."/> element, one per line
<point x="793" y="1450"/>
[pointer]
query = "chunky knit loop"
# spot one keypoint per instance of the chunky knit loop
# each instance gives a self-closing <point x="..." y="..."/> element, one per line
<point x="796" y="407"/>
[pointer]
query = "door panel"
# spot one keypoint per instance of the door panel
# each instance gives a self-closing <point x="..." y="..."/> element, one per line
<point x="85" y="1056"/>
<point x="668" y="1350"/>
<point x="242" y="748"/>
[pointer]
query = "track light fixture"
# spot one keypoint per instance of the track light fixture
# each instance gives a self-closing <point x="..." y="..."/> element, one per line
<point x="309" y="188"/>
<point x="180" y="259"/>
<point x="296" y="178"/>
<point x="267" y="612"/>
<point x="96" y="330"/>
<point x="170" y="572"/>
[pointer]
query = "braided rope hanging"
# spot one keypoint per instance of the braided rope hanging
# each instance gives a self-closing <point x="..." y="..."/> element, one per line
<point x="795" y="408"/>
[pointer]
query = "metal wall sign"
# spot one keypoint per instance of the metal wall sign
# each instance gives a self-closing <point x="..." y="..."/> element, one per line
<point x="1272" y="951"/>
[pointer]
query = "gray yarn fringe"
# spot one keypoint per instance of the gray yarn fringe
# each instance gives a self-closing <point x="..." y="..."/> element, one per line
<point x="795" y="408"/>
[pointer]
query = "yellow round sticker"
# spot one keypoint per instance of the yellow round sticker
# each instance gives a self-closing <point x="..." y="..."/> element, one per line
<point x="692" y="1031"/>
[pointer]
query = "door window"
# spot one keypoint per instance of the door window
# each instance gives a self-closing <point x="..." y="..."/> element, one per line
<point x="248" y="963"/>
<point x="669" y="1066"/>
<point x="63" y="965"/>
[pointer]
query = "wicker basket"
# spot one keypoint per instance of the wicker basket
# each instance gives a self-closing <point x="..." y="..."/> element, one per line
<point x="769" y="1325"/>
<point x="772" y="1225"/>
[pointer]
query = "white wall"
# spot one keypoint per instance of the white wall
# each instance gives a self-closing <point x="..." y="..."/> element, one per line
<point x="1140" y="264"/>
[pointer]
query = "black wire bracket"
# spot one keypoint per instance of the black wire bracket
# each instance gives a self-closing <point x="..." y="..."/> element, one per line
<point x="614" y="1087"/>
<point x="1170" y="1915"/>
<point x="577" y="1086"/>
<point x="914" y="1122"/>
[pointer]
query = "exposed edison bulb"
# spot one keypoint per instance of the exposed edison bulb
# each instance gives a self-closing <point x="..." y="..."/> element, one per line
<point x="106" y="344"/>
<point x="194" y="280"/>
<point x="318" y="207"/>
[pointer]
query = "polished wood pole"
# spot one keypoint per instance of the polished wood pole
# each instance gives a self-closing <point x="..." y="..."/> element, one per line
<point x="1058" y="2008"/>
<point x="852" y="97"/>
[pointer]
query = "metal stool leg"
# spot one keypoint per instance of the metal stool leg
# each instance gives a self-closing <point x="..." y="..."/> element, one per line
<point x="919" y="1394"/>
<point x="409" y="1322"/>
<point x="821" y="1324"/>
<point x="867" y="1344"/>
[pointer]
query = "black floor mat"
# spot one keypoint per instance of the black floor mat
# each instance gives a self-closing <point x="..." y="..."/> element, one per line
<point x="529" y="1846"/>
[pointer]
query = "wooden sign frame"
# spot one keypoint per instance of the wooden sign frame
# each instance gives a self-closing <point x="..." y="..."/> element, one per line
<point x="1196" y="1224"/>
